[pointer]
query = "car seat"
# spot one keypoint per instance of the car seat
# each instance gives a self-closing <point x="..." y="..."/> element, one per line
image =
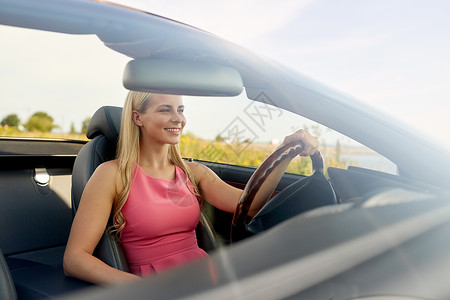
<point x="103" y="130"/>
<point x="7" y="288"/>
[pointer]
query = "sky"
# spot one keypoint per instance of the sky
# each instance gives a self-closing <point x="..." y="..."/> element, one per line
<point x="392" y="54"/>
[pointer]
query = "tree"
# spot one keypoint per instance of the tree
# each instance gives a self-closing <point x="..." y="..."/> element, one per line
<point x="11" y="120"/>
<point x="219" y="139"/>
<point x="72" y="128"/>
<point x="85" y="124"/>
<point x="40" y="121"/>
<point x="338" y="151"/>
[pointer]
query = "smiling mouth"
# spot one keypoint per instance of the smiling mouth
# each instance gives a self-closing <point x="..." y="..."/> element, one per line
<point x="173" y="130"/>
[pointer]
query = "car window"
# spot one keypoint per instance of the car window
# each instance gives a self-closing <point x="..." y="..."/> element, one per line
<point x="52" y="83"/>
<point x="244" y="132"/>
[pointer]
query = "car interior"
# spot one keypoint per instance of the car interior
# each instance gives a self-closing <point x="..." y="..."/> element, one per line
<point x="42" y="180"/>
<point x="42" y="192"/>
<point x="37" y="211"/>
<point x="36" y="215"/>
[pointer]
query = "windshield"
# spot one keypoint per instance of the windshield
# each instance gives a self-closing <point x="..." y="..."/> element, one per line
<point x="52" y="92"/>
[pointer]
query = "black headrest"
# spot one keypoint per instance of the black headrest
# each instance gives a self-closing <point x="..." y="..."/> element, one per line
<point x="105" y="121"/>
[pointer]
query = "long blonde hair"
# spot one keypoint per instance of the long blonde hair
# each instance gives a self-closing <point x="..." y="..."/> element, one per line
<point x="128" y="155"/>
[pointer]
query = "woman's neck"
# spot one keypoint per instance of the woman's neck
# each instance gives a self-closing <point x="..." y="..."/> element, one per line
<point x="154" y="156"/>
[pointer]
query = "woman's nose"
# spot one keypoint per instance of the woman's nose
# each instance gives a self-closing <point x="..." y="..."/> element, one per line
<point x="177" y="118"/>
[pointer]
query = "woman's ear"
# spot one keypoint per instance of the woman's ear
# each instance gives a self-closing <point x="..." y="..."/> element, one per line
<point x="136" y="117"/>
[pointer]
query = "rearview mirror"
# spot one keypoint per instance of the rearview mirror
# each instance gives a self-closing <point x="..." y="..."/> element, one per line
<point x="180" y="77"/>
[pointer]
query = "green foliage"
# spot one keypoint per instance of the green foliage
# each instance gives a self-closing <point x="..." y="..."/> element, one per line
<point x="15" y="132"/>
<point x="11" y="120"/>
<point x="219" y="139"/>
<point x="40" y="121"/>
<point x="85" y="125"/>
<point x="251" y="155"/>
<point x="72" y="128"/>
<point x="245" y="154"/>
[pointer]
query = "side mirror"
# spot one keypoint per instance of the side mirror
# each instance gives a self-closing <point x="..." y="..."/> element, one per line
<point x="181" y="77"/>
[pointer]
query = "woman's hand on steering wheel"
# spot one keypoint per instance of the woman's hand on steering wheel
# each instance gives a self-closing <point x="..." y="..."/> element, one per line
<point x="300" y="142"/>
<point x="303" y="137"/>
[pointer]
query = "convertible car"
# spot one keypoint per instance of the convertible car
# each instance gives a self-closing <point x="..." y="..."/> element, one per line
<point x="338" y="226"/>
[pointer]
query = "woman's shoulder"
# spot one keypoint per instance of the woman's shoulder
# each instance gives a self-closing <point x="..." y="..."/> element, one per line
<point x="108" y="171"/>
<point x="104" y="178"/>
<point x="195" y="167"/>
<point x="106" y="174"/>
<point x="110" y="167"/>
<point x="199" y="170"/>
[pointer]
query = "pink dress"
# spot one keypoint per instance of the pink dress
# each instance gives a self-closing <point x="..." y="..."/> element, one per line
<point x="161" y="216"/>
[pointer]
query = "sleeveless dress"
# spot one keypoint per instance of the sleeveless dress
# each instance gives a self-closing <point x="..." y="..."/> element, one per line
<point x="161" y="216"/>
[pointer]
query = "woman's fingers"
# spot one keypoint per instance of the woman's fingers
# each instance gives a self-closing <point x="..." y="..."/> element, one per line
<point x="310" y="144"/>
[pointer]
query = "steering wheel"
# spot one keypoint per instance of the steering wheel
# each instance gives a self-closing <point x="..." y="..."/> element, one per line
<point x="304" y="194"/>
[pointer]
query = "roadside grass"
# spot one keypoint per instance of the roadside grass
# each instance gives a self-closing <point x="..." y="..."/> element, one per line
<point x="251" y="155"/>
<point x="13" y="132"/>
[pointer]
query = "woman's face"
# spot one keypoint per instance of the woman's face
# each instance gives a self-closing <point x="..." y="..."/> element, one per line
<point x="163" y="120"/>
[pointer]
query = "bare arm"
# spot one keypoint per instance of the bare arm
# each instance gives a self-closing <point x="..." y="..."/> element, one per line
<point x="225" y="197"/>
<point x="88" y="226"/>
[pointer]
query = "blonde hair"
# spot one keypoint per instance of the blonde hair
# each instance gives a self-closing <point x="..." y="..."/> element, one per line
<point x="128" y="155"/>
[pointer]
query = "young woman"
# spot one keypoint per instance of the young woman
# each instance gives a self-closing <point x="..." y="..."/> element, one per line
<point x="153" y="195"/>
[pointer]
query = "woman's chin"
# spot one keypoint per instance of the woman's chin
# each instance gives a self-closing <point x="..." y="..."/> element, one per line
<point x="173" y="142"/>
